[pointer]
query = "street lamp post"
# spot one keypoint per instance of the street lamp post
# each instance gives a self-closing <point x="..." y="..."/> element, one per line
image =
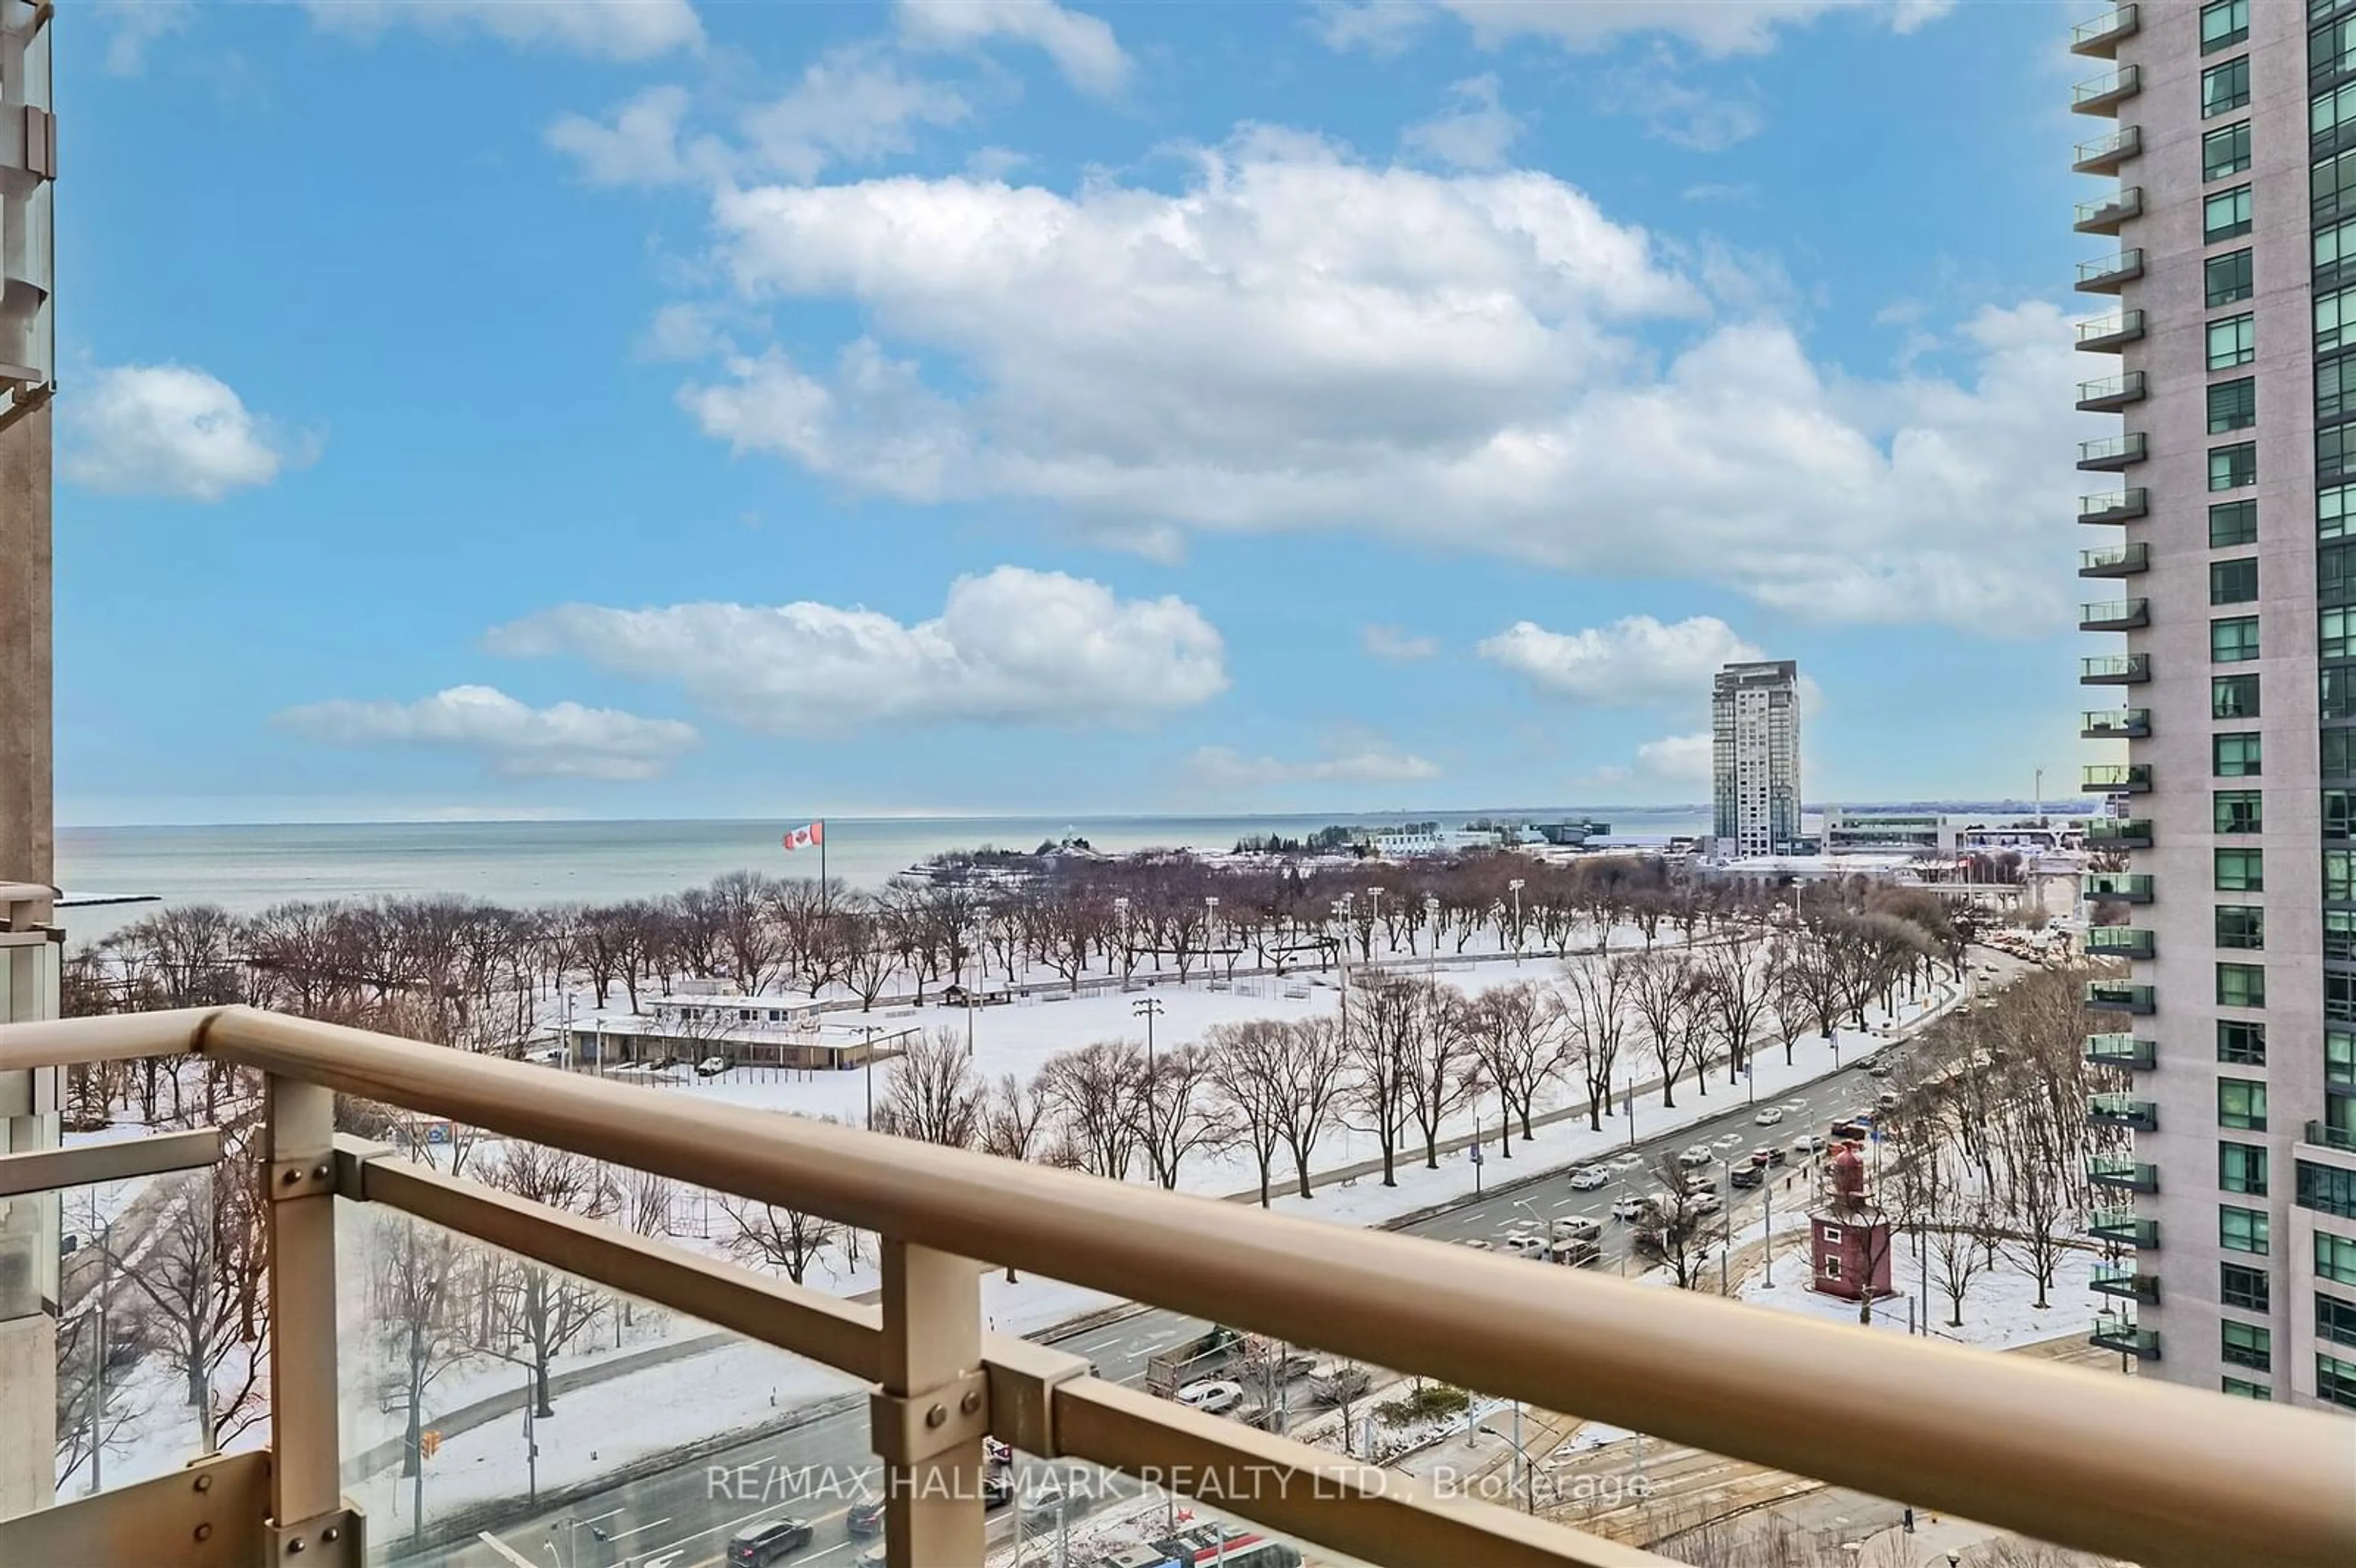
<point x="1149" y="1008"/>
<point x="1120" y="919"/>
<point x="1432" y="919"/>
<point x="1513" y="886"/>
<point x="1375" y="913"/>
<point x="1521" y="1457"/>
<point x="1211" y="923"/>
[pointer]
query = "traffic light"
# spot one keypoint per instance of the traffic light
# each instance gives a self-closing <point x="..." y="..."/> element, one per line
<point x="429" y="1443"/>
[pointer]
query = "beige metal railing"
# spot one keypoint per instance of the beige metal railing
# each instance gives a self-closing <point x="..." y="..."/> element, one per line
<point x="2134" y="1469"/>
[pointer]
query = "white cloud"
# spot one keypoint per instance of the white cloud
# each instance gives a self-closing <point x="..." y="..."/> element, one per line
<point x="1012" y="646"/>
<point x="1713" y="27"/>
<point x="172" y="429"/>
<point x="603" y="29"/>
<point x="1675" y="111"/>
<point x="852" y="105"/>
<point x="1083" y="47"/>
<point x="1218" y="767"/>
<point x="1475" y="135"/>
<point x="682" y="330"/>
<point x="1685" y="759"/>
<point x="1631" y="663"/>
<point x="1391" y="642"/>
<point x="1297" y="341"/>
<point x="133" y="25"/>
<point x="639" y="145"/>
<point x="515" y="740"/>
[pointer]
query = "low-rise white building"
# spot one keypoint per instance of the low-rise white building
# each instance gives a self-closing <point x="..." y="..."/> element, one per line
<point x="783" y="1030"/>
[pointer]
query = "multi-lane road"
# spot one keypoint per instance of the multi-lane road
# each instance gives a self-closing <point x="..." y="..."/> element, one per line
<point x="682" y="1518"/>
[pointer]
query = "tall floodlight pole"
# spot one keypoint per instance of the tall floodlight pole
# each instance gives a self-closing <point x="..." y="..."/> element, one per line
<point x="1149" y="1008"/>
<point x="1514" y="887"/>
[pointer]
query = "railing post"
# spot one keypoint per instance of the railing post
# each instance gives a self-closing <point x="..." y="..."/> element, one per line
<point x="309" y="1522"/>
<point x="929" y="1420"/>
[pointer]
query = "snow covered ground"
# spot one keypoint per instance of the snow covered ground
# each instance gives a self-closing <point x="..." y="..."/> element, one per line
<point x="1999" y="1310"/>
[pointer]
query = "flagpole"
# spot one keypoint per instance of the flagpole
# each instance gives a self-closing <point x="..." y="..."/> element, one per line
<point x="824" y="893"/>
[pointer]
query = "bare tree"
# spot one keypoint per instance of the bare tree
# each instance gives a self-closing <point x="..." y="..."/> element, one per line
<point x="1662" y="992"/>
<point x="415" y="1290"/>
<point x="1177" y="1112"/>
<point x="1316" y="1081"/>
<point x="1516" y="1032"/>
<point x="1678" y="1229"/>
<point x="546" y="1310"/>
<point x="1012" y="1120"/>
<point x="1251" y="1071"/>
<point x="1441" y="1050"/>
<point x="1737" y="995"/>
<point x="1092" y="1092"/>
<point x="767" y="1236"/>
<point x="1594" y="1006"/>
<point x="1379" y="1044"/>
<point x="932" y="1093"/>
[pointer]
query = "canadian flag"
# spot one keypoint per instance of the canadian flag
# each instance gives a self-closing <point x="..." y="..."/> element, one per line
<point x="806" y="838"/>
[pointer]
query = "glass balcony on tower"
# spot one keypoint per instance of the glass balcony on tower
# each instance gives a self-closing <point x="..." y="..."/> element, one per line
<point x="2114" y="669"/>
<point x="2106" y="214"/>
<point x="2115" y="724"/>
<point x="2111" y="453"/>
<point x="2108" y="394"/>
<point x="2109" y="274"/>
<point x="2114" y="506"/>
<point x="2122" y="1111"/>
<point x="2324" y="1135"/>
<point x="2104" y="155"/>
<point x="2125" y="1051"/>
<point x="2117" y="778"/>
<point x="2112" y="1280"/>
<point x="2108" y="334"/>
<point x="2120" y="832"/>
<point x="2100" y="37"/>
<point x="2119" y="997"/>
<point x="2104" y="94"/>
<point x="2123" y="1228"/>
<point x="2115" y="1330"/>
<point x="2122" y="1172"/>
<point x="2113" y="616"/>
<point x="2114" y="560"/>
<point x="2125" y="887"/>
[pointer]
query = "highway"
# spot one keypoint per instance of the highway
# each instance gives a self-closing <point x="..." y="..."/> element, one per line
<point x="682" y="1518"/>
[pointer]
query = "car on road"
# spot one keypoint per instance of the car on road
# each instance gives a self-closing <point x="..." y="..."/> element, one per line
<point x="865" y="1520"/>
<point x="1876" y="1067"/>
<point x="1628" y="1162"/>
<point x="998" y="1488"/>
<point x="1849" y="1131"/>
<point x="1807" y="1143"/>
<point x="1524" y="1246"/>
<point x="1728" y="1140"/>
<point x="1769" y="1116"/>
<point x="758" y="1545"/>
<point x="875" y="1556"/>
<point x="1577" y="1231"/>
<point x="1698" y="1185"/>
<point x="1631" y="1209"/>
<point x="1475" y="1242"/>
<point x="1703" y="1204"/>
<point x="1700" y="1154"/>
<point x="1212" y="1396"/>
<point x="712" y="1067"/>
<point x="1749" y="1176"/>
<point x="1888" y="1100"/>
<point x="1766" y="1155"/>
<point x="1587" y="1177"/>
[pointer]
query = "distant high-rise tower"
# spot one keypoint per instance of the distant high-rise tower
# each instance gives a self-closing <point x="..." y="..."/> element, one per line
<point x="1755" y="757"/>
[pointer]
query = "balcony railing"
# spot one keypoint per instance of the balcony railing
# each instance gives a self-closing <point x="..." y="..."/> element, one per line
<point x="2114" y="506"/>
<point x="2115" y="724"/>
<point x="2109" y="274"/>
<point x="2161" y="1475"/>
<point x="2114" y="669"/>
<point x="2127" y="1282"/>
<point x="2105" y="215"/>
<point x="2111" y="453"/>
<point x="2107" y="333"/>
<point x="2115" y="778"/>
<point x="2104" y="155"/>
<point x="2123" y="1228"/>
<point x="2119" y="997"/>
<point x="2117" y="1331"/>
<point x="2108" y="394"/>
<point x="2104" y="94"/>
<point x="2099" y="38"/>
<point x="2323" y="1135"/>
<point x="2123" y="1172"/>
<point x="2123" y="1110"/>
<point x="2122" y="1049"/>
<point x="2129" y="887"/>
<point x="2116" y="560"/>
<point x="2120" y="832"/>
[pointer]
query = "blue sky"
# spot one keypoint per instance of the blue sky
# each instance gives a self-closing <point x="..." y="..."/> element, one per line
<point x="655" y="409"/>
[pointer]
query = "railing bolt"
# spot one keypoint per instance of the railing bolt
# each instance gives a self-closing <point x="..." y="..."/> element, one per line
<point x="971" y="1402"/>
<point x="329" y="1533"/>
<point x="293" y="1546"/>
<point x="937" y="1415"/>
<point x="204" y="1532"/>
<point x="318" y="1173"/>
<point x="289" y="1178"/>
<point x="204" y="1483"/>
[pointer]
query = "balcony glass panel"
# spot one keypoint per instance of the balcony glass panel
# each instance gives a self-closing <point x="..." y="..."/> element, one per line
<point x="2102" y="153"/>
<point x="2114" y="776"/>
<point x="2116" y="560"/>
<point x="2115" y="668"/>
<point x="2124" y="387"/>
<point x="2120" y="1049"/>
<point x="2097" y="94"/>
<point x="2125" y="325"/>
<point x="2121" y="942"/>
<point x="2114" y="506"/>
<point x="2113" y="615"/>
<point x="2112" y="451"/>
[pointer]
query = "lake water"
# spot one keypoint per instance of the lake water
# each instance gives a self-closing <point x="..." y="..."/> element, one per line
<point x="248" y="868"/>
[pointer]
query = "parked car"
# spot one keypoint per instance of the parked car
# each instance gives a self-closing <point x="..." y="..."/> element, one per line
<point x="1807" y="1143"/>
<point x="1876" y="1067"/>
<point x="1888" y="1100"/>
<point x="1587" y="1177"/>
<point x="1766" y="1155"/>
<point x="1703" y="1204"/>
<point x="1212" y="1396"/>
<point x="1769" y="1116"/>
<point x="758" y="1545"/>
<point x="712" y="1067"/>
<point x="875" y="1556"/>
<point x="1475" y="1242"/>
<point x="1749" y="1176"/>
<point x="865" y="1519"/>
